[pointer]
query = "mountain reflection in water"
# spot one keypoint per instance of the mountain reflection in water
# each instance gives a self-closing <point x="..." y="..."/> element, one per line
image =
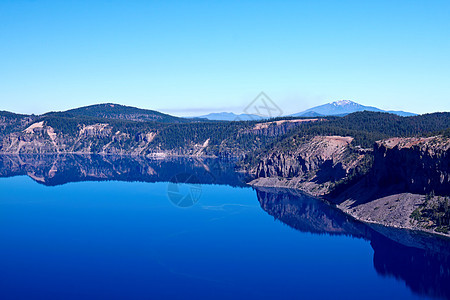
<point x="53" y="170"/>
<point x="421" y="260"/>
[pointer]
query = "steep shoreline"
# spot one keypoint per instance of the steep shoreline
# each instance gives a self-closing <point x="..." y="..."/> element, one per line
<point x="406" y="186"/>
<point x="364" y="212"/>
<point x="400" y="205"/>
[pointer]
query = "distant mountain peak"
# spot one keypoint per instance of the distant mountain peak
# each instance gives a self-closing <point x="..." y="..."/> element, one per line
<point x="229" y="116"/>
<point x="343" y="107"/>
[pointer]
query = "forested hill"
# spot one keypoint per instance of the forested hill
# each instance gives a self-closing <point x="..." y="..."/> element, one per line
<point x="11" y="122"/>
<point x="118" y="112"/>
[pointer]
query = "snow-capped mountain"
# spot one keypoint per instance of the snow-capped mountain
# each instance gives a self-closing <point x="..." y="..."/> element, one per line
<point x="337" y="108"/>
<point x="343" y="107"/>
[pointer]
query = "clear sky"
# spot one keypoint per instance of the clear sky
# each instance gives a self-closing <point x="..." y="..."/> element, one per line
<point x="192" y="57"/>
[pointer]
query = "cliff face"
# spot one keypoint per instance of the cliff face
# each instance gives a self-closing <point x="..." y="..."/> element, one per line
<point x="408" y="165"/>
<point x="399" y="189"/>
<point x="415" y="165"/>
<point x="105" y="136"/>
<point x="277" y="128"/>
<point x="97" y="138"/>
<point x="313" y="166"/>
<point x="392" y="185"/>
<point x="325" y="153"/>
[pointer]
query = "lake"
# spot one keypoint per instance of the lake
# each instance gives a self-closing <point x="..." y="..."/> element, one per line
<point x="88" y="227"/>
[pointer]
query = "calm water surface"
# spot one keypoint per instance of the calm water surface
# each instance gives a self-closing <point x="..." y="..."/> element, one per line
<point x="127" y="240"/>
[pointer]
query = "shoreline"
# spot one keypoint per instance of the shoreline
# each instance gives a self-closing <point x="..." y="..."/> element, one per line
<point x="114" y="154"/>
<point x="355" y="216"/>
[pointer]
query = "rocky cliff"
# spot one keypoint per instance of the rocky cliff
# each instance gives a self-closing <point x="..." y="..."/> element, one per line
<point x="319" y="164"/>
<point x="416" y="165"/>
<point x="97" y="138"/>
<point x="281" y="127"/>
<point x="86" y="135"/>
<point x="402" y="182"/>
<point x="407" y="187"/>
<point x="314" y="165"/>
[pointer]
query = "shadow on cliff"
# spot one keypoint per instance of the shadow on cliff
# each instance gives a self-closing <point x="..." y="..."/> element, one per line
<point x="415" y="166"/>
<point x="329" y="172"/>
<point x="364" y="190"/>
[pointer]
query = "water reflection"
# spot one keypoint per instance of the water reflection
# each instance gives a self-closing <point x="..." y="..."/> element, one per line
<point x="421" y="260"/>
<point x="53" y="170"/>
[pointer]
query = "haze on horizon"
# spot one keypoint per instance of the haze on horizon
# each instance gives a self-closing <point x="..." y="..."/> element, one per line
<point x="199" y="57"/>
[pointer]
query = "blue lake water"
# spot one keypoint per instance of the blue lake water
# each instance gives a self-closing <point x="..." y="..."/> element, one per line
<point x="128" y="240"/>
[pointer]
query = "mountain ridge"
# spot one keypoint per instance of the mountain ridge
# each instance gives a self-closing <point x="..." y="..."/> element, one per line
<point x="123" y="112"/>
<point x="344" y="107"/>
<point x="338" y="108"/>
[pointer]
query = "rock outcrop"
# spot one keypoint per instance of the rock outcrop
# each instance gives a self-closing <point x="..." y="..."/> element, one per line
<point x="416" y="165"/>
<point x="387" y="186"/>
<point x="407" y="187"/>
<point x="98" y="138"/>
<point x="315" y="165"/>
<point x="281" y="127"/>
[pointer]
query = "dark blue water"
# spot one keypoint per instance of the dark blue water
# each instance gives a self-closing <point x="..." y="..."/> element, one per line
<point x="127" y="240"/>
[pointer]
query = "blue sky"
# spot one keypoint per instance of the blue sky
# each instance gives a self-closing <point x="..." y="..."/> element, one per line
<point x="192" y="57"/>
